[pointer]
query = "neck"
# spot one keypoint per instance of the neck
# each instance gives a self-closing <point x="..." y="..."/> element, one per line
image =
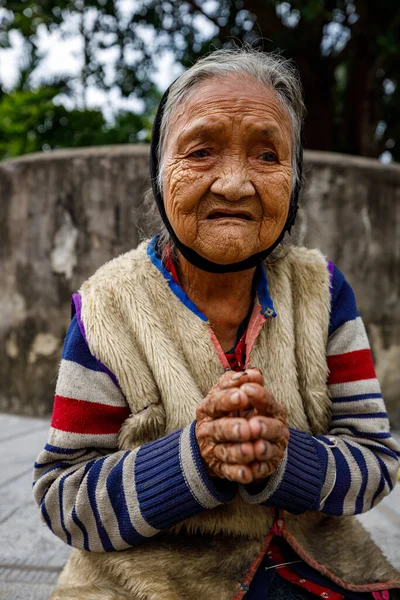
<point x="224" y="298"/>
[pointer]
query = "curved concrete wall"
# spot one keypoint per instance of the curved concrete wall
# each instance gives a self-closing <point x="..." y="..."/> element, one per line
<point x="64" y="213"/>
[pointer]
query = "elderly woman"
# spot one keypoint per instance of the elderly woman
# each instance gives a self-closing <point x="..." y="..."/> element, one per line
<point x="217" y="421"/>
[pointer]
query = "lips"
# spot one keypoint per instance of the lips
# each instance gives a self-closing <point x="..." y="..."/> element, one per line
<point x="226" y="214"/>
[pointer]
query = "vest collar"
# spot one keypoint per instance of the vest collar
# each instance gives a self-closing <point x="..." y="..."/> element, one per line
<point x="266" y="303"/>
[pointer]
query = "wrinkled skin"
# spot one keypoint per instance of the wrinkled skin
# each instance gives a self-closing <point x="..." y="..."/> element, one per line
<point x="241" y="429"/>
<point x="227" y="180"/>
<point x="229" y="148"/>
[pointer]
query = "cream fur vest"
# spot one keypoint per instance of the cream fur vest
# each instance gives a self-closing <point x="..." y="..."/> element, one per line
<point x="165" y="361"/>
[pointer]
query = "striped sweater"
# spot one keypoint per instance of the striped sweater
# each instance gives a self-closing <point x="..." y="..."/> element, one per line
<point x="98" y="498"/>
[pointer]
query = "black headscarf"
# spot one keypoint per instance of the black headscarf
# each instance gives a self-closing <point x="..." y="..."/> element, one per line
<point x="193" y="257"/>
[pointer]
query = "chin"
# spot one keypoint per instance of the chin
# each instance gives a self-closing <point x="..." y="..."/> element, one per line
<point x="226" y="250"/>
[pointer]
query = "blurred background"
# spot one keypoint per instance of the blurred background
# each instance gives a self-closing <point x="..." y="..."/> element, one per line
<point x="82" y="73"/>
<point x="80" y="81"/>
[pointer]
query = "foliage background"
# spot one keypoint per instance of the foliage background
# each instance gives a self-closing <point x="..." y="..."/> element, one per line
<point x="347" y="51"/>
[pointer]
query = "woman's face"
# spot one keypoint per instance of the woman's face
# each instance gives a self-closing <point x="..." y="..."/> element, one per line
<point x="227" y="172"/>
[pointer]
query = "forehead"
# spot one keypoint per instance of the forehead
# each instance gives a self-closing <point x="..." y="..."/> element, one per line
<point x="220" y="101"/>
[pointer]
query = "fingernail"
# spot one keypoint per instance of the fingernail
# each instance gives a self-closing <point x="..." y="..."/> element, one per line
<point x="236" y="430"/>
<point x="265" y="451"/>
<point x="237" y="376"/>
<point x="263" y="427"/>
<point x="235" y="398"/>
<point x="241" y="473"/>
<point x="249" y="389"/>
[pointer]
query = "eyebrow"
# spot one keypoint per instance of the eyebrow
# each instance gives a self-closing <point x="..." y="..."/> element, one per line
<point x="268" y="132"/>
<point x="197" y="129"/>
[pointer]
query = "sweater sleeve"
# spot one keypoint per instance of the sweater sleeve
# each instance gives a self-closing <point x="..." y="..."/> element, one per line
<point x="96" y="497"/>
<point x="351" y="468"/>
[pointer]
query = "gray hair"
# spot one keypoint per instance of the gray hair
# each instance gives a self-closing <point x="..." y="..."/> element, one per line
<point x="271" y="70"/>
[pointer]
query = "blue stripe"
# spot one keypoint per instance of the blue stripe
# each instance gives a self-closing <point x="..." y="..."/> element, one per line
<point x="356" y="398"/>
<point x="60" y="500"/>
<point x="46" y="516"/>
<point x="81" y="526"/>
<point x="76" y="349"/>
<point x="384" y="471"/>
<point x="379" y="415"/>
<point x="59" y="450"/>
<point x="163" y="494"/>
<point x="378" y="491"/>
<point x="174" y="287"/>
<point x="60" y="465"/>
<point x="335" y="502"/>
<point x="38" y="465"/>
<point x="369" y="434"/>
<point x="92" y="481"/>
<point x="116" y="493"/>
<point x="381" y="449"/>
<point x="75" y="516"/>
<point x="360" y="460"/>
<point x="343" y="306"/>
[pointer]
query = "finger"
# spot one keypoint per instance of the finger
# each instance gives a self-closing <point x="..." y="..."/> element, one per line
<point x="267" y="428"/>
<point x="236" y="379"/>
<point x="240" y="473"/>
<point x="266" y="451"/>
<point x="260" y="469"/>
<point x="225" y="429"/>
<point x="235" y="453"/>
<point x="220" y="402"/>
<point x="263" y="400"/>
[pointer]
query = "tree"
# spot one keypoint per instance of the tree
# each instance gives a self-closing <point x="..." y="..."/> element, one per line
<point x="347" y="52"/>
<point x="30" y="122"/>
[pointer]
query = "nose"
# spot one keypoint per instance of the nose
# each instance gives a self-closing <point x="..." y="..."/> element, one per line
<point x="233" y="182"/>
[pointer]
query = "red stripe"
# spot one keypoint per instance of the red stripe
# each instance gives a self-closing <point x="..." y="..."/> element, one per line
<point x="80" y="416"/>
<point x="351" y="366"/>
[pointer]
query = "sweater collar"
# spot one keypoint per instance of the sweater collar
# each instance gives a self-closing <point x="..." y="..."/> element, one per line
<point x="266" y="303"/>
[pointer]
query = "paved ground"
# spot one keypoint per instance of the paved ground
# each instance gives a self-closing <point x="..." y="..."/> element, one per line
<point x="31" y="556"/>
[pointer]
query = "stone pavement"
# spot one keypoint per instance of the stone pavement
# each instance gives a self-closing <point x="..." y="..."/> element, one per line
<point x="31" y="556"/>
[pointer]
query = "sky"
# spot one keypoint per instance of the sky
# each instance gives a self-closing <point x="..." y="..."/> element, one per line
<point x="63" y="55"/>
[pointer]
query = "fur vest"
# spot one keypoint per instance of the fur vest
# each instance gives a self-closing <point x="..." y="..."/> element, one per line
<point x="166" y="361"/>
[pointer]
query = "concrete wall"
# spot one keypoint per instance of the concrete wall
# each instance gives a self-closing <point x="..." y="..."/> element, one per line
<point x="64" y="213"/>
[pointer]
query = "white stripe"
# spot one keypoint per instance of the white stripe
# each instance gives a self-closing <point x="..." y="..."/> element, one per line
<point x="270" y="487"/>
<point x="75" y="381"/>
<point x="107" y="514"/>
<point x="71" y="486"/>
<point x="128" y="478"/>
<point x="361" y="407"/>
<point x="51" y="502"/>
<point x="350" y="336"/>
<point x="388" y="443"/>
<point x="330" y="476"/>
<point x="363" y="426"/>
<point x="374" y="473"/>
<point x="80" y="497"/>
<point x="65" y="439"/>
<point x="379" y="425"/>
<point x="354" y="388"/>
<point x="356" y="480"/>
<point x="191" y="474"/>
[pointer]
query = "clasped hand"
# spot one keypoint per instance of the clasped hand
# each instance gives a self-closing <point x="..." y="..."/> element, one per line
<point x="241" y="429"/>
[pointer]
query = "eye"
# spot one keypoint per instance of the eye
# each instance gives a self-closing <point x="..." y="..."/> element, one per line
<point x="268" y="156"/>
<point x="201" y="153"/>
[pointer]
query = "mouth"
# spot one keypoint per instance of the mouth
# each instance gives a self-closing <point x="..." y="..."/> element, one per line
<point x="227" y="214"/>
